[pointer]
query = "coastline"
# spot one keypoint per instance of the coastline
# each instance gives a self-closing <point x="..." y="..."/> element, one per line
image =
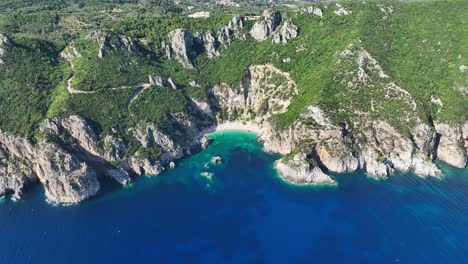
<point x="256" y="129"/>
<point x="235" y="126"/>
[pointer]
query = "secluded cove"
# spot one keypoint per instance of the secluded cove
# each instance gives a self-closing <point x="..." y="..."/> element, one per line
<point x="245" y="213"/>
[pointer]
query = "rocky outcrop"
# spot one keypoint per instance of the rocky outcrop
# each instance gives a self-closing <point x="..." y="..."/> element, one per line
<point x="213" y="41"/>
<point x="288" y="31"/>
<point x="216" y="160"/>
<point x="300" y="171"/>
<point x="224" y="36"/>
<point x="313" y="10"/>
<point x="66" y="179"/>
<point x="374" y="146"/>
<point x="336" y="156"/>
<point x="182" y="43"/>
<point x="77" y="128"/>
<point x="111" y="41"/>
<point x="205" y="141"/>
<point x="156" y="81"/>
<point x="119" y="175"/>
<point x="265" y="26"/>
<point x="70" y="52"/>
<point x="452" y="144"/>
<point x="236" y="24"/>
<point x="4" y="46"/>
<point x="341" y="11"/>
<point x="114" y="147"/>
<point x="211" y="44"/>
<point x="150" y="136"/>
<point x="160" y="82"/>
<point x="263" y="92"/>
<point x="142" y="166"/>
<point x="16" y="166"/>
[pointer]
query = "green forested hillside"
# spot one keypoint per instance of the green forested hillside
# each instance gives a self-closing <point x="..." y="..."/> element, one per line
<point x="420" y="46"/>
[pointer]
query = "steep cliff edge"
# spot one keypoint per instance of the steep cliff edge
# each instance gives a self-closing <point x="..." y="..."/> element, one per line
<point x="372" y="145"/>
<point x="71" y="157"/>
<point x="334" y="88"/>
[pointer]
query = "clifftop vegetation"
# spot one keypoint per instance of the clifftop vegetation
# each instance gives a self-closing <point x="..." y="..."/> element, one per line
<point x="421" y="48"/>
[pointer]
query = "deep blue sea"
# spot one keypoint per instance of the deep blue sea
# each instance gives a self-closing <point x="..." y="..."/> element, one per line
<point x="245" y="213"/>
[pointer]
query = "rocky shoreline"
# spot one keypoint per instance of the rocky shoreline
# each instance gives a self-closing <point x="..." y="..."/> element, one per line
<point x="70" y="156"/>
<point x="70" y="172"/>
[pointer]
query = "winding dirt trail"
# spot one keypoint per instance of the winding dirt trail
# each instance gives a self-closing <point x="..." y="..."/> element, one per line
<point x="143" y="86"/>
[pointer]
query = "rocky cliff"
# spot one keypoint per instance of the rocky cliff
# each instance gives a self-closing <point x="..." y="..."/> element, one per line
<point x="374" y="146"/>
<point x="71" y="156"/>
<point x="266" y="25"/>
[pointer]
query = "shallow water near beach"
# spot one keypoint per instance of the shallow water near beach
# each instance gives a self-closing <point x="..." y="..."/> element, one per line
<point x="244" y="213"/>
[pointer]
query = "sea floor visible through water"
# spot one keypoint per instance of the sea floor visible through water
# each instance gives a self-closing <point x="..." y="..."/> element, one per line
<point x="241" y="212"/>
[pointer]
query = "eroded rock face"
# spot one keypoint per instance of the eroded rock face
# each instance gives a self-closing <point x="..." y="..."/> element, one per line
<point x="76" y="127"/>
<point x="211" y="45"/>
<point x="264" y="91"/>
<point x="151" y="136"/>
<point x="336" y="156"/>
<point x="213" y="41"/>
<point x="424" y="137"/>
<point x="299" y="170"/>
<point x="313" y="10"/>
<point x="70" y="52"/>
<point x="374" y="146"/>
<point x="265" y="26"/>
<point x="114" y="147"/>
<point x="4" y="46"/>
<point x="16" y="170"/>
<point x="451" y="148"/>
<point x="71" y="156"/>
<point x="288" y="31"/>
<point x="144" y="166"/>
<point x="66" y="179"/>
<point x="236" y="25"/>
<point x="119" y="175"/>
<point x="224" y="36"/>
<point x="110" y="41"/>
<point x="182" y="42"/>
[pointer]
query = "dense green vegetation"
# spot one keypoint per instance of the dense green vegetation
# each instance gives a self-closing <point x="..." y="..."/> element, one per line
<point x="117" y="68"/>
<point x="419" y="45"/>
<point x="28" y="77"/>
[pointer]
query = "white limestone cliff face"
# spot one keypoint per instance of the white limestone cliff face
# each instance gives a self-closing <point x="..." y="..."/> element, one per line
<point x="266" y="25"/>
<point x="211" y="44"/>
<point x="299" y="170"/>
<point x="70" y="159"/>
<point x="65" y="178"/>
<point x="16" y="170"/>
<point x="287" y="32"/>
<point x="107" y="42"/>
<point x="264" y="91"/>
<point x="213" y="41"/>
<point x="181" y="44"/>
<point x="452" y="145"/>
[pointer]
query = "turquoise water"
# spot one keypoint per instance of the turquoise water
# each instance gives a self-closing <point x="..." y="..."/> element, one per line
<point x="244" y="213"/>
